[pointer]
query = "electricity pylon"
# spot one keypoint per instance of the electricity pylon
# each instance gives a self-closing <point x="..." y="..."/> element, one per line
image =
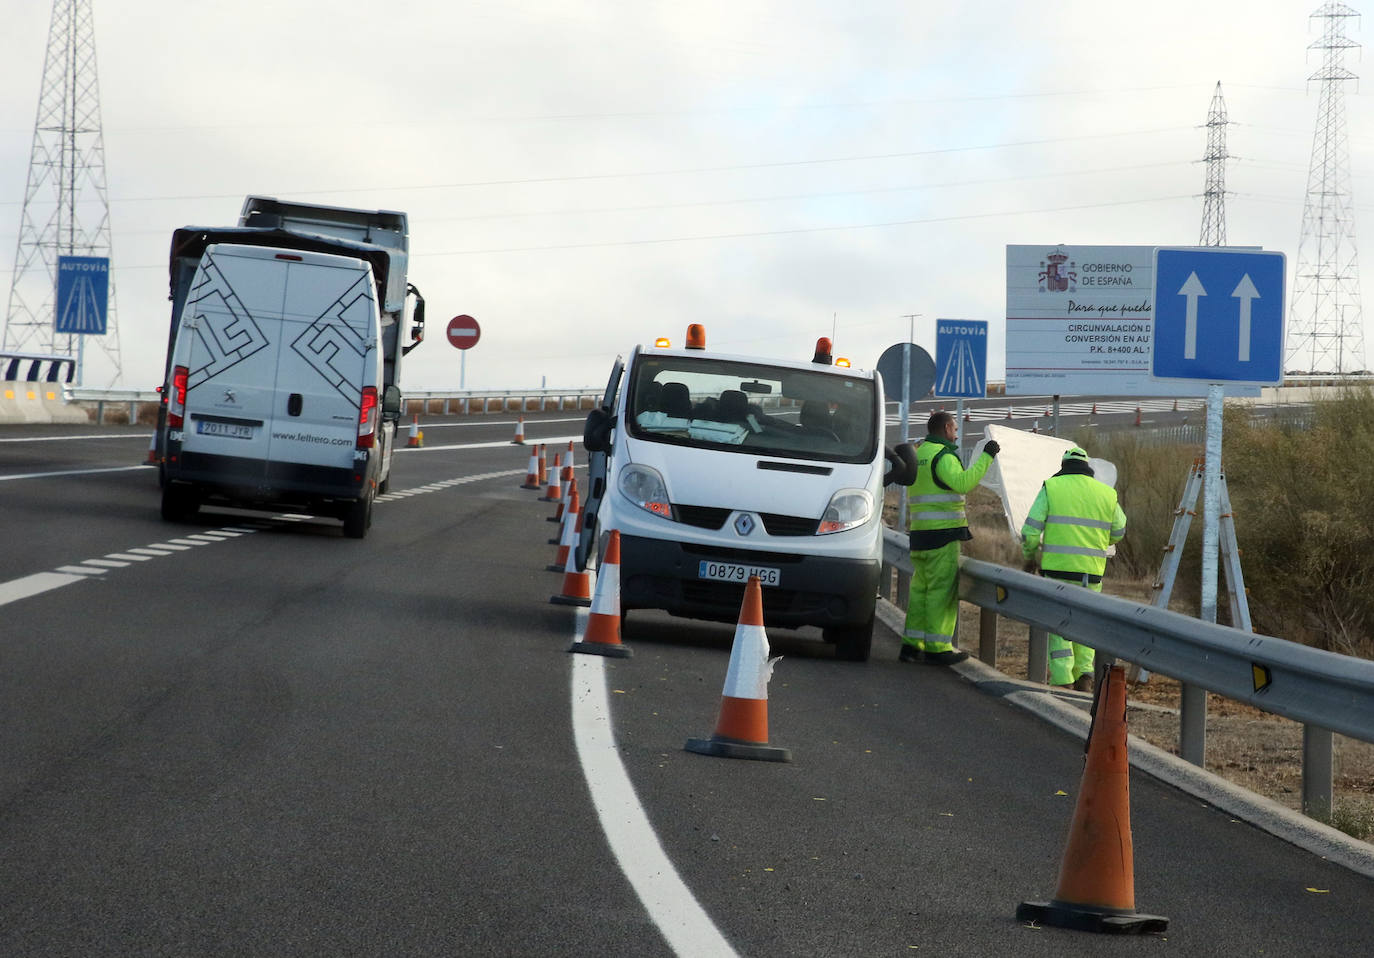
<point x="1214" y="196"/>
<point x="66" y="208"/>
<point x="1325" y="329"/>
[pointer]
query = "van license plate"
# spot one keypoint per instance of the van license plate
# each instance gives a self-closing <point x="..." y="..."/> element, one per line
<point x="233" y="430"/>
<point x="733" y="572"/>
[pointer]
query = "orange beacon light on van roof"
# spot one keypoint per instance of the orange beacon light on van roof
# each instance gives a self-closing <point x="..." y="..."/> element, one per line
<point x="696" y="336"/>
<point x="662" y="343"/>
<point x="822" y="351"/>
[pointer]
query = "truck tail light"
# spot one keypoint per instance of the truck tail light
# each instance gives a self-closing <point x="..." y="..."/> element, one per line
<point x="367" y="418"/>
<point x="176" y="405"/>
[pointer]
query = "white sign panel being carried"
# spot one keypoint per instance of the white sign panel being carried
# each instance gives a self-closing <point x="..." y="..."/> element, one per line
<point x="1080" y="321"/>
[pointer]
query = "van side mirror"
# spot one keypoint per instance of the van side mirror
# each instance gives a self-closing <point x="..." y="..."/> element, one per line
<point x="902" y="465"/>
<point x="596" y="433"/>
<point x="391" y="403"/>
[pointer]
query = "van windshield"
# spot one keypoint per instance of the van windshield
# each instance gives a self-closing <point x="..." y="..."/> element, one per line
<point x="753" y="408"/>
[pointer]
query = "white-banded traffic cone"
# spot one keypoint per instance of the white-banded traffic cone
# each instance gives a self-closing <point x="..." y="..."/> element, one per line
<point x="532" y="472"/>
<point x="1137" y="415"/>
<point x="543" y="468"/>
<point x="1008" y="412"/>
<point x="519" y="439"/>
<point x="566" y="536"/>
<point x="152" y="451"/>
<point x="417" y="438"/>
<point x="577" y="586"/>
<point x="554" y="491"/>
<point x="602" y="636"/>
<point x="569" y="487"/>
<point x="742" y="725"/>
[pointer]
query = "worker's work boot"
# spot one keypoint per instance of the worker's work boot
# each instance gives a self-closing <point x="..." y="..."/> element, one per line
<point x="1084" y="683"/>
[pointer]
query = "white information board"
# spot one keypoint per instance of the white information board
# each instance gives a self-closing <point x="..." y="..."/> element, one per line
<point x="1080" y="322"/>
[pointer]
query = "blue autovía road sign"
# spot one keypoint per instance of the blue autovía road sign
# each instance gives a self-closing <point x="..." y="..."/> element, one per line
<point x="83" y="284"/>
<point x="961" y="358"/>
<point x="1219" y="315"/>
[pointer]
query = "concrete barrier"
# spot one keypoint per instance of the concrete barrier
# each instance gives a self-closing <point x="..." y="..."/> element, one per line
<point x="37" y="402"/>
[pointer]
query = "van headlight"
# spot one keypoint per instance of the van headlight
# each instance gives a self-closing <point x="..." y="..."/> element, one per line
<point x="643" y="486"/>
<point x="848" y="508"/>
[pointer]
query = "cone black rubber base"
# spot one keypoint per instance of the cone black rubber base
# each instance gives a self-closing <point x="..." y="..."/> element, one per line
<point x="602" y="648"/>
<point x="569" y="600"/>
<point x="555" y="567"/>
<point x="1060" y="914"/>
<point x="536" y="486"/>
<point x="551" y="519"/>
<point x="725" y="748"/>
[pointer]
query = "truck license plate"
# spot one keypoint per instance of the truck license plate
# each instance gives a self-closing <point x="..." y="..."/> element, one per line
<point x="233" y="430"/>
<point x="734" y="572"/>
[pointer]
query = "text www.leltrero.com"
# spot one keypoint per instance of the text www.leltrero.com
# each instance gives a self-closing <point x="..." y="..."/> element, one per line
<point x="319" y="440"/>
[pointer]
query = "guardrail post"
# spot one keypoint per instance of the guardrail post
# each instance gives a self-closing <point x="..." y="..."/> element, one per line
<point x="987" y="636"/>
<point x="1316" y="772"/>
<point x="99" y="413"/>
<point x="1038" y="655"/>
<point x="1192" y="724"/>
<point x="133" y="413"/>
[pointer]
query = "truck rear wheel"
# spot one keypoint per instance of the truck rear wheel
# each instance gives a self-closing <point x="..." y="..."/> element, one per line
<point x="358" y="517"/>
<point x="852" y="643"/>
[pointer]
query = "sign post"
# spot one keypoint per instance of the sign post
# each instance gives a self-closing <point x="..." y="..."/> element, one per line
<point x="463" y="332"/>
<point x="907" y="370"/>
<point x="1218" y="320"/>
<point x="83" y="285"/>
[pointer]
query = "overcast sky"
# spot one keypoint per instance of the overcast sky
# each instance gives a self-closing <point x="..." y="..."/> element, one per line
<point x="583" y="176"/>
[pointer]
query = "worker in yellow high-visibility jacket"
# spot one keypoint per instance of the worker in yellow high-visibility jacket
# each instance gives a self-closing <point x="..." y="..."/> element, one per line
<point x="936" y="504"/>
<point x="1072" y="522"/>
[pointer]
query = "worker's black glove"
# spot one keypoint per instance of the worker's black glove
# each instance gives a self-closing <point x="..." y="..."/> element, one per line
<point x="992" y="448"/>
<point x="1028" y="566"/>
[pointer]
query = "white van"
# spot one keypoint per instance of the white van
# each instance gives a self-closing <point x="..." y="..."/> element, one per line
<point x="273" y="394"/>
<point x="715" y="468"/>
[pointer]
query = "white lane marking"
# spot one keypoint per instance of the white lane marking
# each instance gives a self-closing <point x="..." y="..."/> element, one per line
<point x="129" y="557"/>
<point x="39" y="582"/>
<point x="67" y="438"/>
<point x="186" y="542"/>
<point x="82" y="570"/>
<point x="168" y="546"/>
<point x="71" y="472"/>
<point x="152" y="553"/>
<point x="106" y="563"/>
<point x="668" y="900"/>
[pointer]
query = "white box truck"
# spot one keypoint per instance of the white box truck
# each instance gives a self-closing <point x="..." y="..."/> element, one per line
<point x="282" y="383"/>
<point x="718" y="467"/>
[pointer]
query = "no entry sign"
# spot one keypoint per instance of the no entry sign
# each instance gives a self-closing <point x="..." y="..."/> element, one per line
<point x="463" y="332"/>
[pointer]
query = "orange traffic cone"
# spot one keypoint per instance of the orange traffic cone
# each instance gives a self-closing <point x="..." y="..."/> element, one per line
<point x="1035" y="426"/>
<point x="519" y="431"/>
<point x="152" y="451"/>
<point x="1175" y="405"/>
<point x="532" y="472"/>
<point x="742" y="725"/>
<point x="566" y="537"/>
<point x="554" y="491"/>
<point x="1137" y="415"/>
<point x="1094" y="412"/>
<point x="577" y="586"/>
<point x="603" y="623"/>
<point x="543" y="475"/>
<point x="417" y="438"/>
<point x="569" y="487"/>
<point x="1097" y="877"/>
<point x="1008" y="412"/>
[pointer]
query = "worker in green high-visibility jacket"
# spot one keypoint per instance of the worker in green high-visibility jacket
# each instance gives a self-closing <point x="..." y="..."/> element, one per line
<point x="1072" y="522"/>
<point x="936" y="505"/>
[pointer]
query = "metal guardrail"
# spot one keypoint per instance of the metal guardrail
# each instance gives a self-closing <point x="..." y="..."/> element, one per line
<point x="460" y="401"/>
<point x="1325" y="691"/>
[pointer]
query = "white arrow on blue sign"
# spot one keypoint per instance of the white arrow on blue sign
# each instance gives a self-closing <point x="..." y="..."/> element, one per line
<point x="961" y="358"/>
<point x="1219" y="315"/>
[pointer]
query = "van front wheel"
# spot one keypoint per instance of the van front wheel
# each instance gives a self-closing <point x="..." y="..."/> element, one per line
<point x="358" y="517"/>
<point x="853" y="643"/>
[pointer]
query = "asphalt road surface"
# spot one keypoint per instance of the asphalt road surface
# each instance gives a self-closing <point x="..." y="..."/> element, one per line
<point x="249" y="735"/>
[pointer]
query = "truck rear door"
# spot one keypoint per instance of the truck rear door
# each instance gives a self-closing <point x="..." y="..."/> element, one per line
<point x="328" y="354"/>
<point x="229" y="337"/>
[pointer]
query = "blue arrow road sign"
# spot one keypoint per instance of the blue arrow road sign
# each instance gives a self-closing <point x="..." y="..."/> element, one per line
<point x="1219" y="315"/>
<point x="961" y="358"/>
<point x="83" y="284"/>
